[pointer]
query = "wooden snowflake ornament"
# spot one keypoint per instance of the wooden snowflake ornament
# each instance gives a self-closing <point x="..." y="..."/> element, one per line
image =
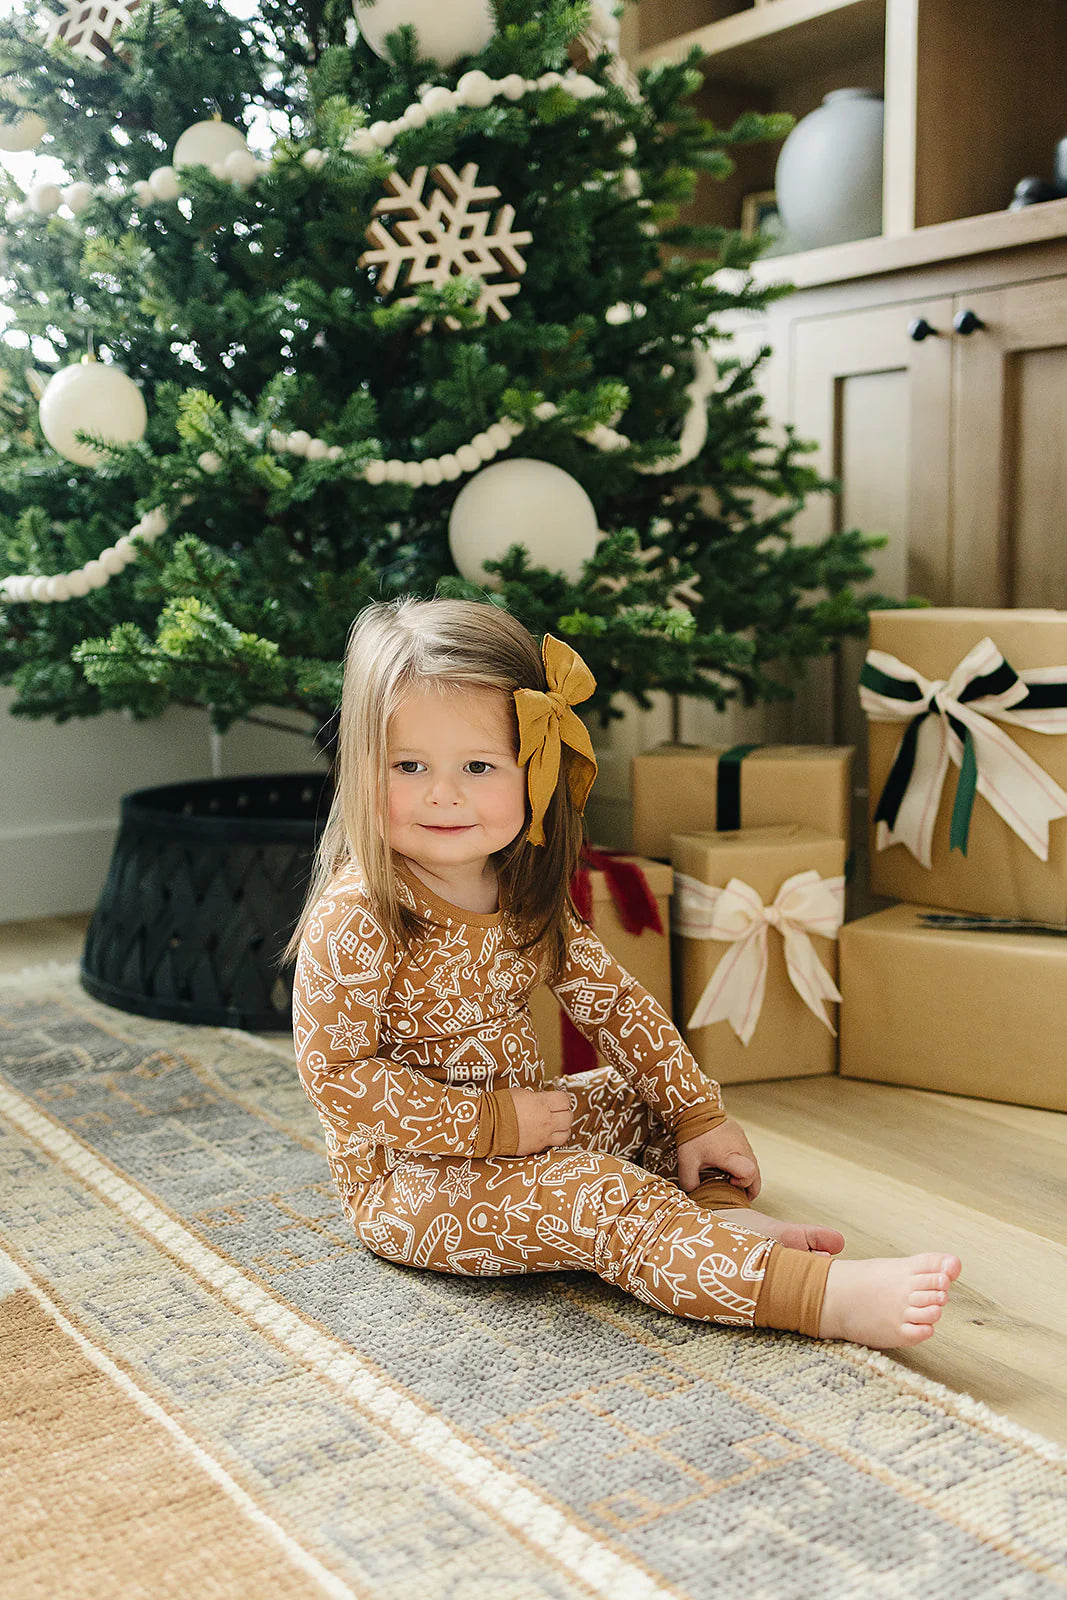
<point x="86" y="26"/>
<point x="427" y="238"/>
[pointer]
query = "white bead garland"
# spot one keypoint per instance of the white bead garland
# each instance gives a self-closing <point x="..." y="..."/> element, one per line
<point x="95" y="573"/>
<point x="475" y="89"/>
<point x="465" y="459"/>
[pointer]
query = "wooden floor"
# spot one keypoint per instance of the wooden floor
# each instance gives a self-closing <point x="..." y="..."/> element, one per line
<point x="897" y="1170"/>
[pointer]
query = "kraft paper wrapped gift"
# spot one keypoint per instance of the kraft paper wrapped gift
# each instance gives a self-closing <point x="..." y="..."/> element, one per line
<point x="788" y="1039"/>
<point x="975" y="1013"/>
<point x="950" y="682"/>
<point x="646" y="956"/>
<point x="689" y="788"/>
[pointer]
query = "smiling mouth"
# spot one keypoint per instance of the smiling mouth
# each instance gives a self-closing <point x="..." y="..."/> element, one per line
<point x="437" y="827"/>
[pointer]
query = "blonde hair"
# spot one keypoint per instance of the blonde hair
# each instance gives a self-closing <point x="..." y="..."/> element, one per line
<point x="395" y="646"/>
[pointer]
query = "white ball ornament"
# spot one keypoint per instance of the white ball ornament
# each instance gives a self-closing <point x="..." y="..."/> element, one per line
<point x="317" y="450"/>
<point x="25" y="133"/>
<point x="164" y="183"/>
<point x="76" y="196"/>
<point x="513" y="87"/>
<point x="142" y="192"/>
<point x="78" y="584"/>
<point x="95" y="574"/>
<point x="374" y="472"/>
<point x="450" y="467"/>
<point x="39" y="590"/>
<point x="97" y="397"/>
<point x="468" y="458"/>
<point x="111" y="561"/>
<point x="431" y="472"/>
<point x="242" y="167"/>
<point x="299" y="441"/>
<point x="445" y="32"/>
<point x="59" y="587"/>
<point x="44" y="198"/>
<point x="208" y="144"/>
<point x="527" y="502"/>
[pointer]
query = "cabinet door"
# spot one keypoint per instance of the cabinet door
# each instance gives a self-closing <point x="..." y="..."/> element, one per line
<point x="876" y="402"/>
<point x="1010" y="469"/>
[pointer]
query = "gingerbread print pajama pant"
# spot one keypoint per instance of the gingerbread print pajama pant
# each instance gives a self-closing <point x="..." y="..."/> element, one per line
<point x="607" y="1202"/>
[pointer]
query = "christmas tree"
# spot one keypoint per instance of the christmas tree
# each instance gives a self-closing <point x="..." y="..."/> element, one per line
<point x="383" y="303"/>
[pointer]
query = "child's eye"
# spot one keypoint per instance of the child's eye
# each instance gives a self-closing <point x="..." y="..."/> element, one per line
<point x="404" y="766"/>
<point x="484" y="766"/>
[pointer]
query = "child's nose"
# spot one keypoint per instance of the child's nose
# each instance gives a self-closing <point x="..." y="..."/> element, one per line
<point x="445" y="790"/>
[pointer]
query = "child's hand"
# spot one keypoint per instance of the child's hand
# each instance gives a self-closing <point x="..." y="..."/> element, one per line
<point x="544" y="1118"/>
<point x="725" y="1147"/>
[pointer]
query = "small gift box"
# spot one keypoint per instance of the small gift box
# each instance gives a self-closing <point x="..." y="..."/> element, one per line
<point x="976" y="1010"/>
<point x="968" y="759"/>
<point x="626" y="900"/>
<point x="755" y="915"/>
<point x="688" y="788"/>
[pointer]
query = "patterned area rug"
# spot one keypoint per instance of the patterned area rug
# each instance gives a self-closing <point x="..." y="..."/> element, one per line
<point x="213" y="1390"/>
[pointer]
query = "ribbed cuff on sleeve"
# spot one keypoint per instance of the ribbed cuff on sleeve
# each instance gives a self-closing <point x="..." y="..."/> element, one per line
<point x="498" y="1125"/>
<point x="696" y="1120"/>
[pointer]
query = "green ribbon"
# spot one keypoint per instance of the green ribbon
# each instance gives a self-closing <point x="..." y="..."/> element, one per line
<point x="728" y="787"/>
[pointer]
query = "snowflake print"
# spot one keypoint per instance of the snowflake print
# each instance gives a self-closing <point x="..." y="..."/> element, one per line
<point x="346" y="1034"/>
<point x="430" y="240"/>
<point x="86" y="27"/>
<point x="458" y="1183"/>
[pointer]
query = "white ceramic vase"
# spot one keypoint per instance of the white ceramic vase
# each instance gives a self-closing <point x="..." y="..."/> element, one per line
<point x="828" y="183"/>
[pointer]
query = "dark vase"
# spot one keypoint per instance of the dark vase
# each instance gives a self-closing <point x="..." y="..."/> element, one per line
<point x="205" y="886"/>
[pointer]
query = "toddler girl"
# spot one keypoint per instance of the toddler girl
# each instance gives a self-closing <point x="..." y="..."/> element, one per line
<point x="439" y="901"/>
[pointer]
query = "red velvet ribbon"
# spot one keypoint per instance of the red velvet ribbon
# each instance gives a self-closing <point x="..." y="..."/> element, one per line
<point x="637" y="910"/>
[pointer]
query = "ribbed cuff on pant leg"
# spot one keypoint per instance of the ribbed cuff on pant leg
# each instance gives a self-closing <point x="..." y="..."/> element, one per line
<point x="792" y="1291"/>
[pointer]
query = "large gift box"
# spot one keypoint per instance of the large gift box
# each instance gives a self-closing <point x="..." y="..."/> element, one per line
<point x="961" y="1011"/>
<point x="689" y="788"/>
<point x="967" y="717"/>
<point x="755" y="915"/>
<point x="626" y="901"/>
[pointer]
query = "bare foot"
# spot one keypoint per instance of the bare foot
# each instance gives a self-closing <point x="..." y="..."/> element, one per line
<point x="797" y="1235"/>
<point x="886" y="1303"/>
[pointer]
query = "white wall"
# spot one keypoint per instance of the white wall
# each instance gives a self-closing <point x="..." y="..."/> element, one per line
<point x="60" y="787"/>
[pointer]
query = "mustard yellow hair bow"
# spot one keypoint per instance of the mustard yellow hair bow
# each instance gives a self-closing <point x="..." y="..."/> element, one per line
<point x="546" y="723"/>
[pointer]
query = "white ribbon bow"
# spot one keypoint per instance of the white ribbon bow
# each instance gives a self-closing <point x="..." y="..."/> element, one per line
<point x="805" y="904"/>
<point x="1020" y="791"/>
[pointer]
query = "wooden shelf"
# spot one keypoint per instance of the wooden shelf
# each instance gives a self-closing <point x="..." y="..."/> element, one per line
<point x="943" y="241"/>
<point x="778" y="41"/>
<point x="971" y="102"/>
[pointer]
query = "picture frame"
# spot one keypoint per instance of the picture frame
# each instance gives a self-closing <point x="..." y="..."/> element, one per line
<point x="759" y="213"/>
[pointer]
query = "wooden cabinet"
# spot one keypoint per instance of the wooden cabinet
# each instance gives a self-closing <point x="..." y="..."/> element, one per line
<point x="1009" y="467"/>
<point x="950" y="445"/>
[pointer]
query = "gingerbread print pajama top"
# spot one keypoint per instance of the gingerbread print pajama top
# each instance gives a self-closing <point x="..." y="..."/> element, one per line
<point x="408" y="1059"/>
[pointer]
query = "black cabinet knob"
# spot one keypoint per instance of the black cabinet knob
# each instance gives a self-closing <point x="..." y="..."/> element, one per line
<point x="967" y="321"/>
<point x="920" y="329"/>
